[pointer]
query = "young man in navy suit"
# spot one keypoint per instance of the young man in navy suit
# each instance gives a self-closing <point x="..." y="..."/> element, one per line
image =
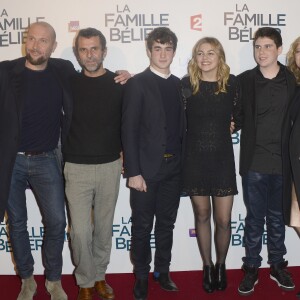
<point x="153" y="127"/>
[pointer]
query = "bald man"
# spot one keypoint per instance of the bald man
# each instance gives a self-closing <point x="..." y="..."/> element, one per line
<point x="35" y="104"/>
<point x="35" y="113"/>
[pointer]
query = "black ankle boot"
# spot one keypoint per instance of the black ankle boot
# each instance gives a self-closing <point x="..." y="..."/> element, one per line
<point x="209" y="282"/>
<point x="221" y="279"/>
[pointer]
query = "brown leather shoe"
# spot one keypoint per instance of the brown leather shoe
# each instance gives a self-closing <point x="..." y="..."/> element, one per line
<point x="104" y="290"/>
<point x="85" y="294"/>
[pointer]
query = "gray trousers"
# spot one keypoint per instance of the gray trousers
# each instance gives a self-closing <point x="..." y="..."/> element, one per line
<point x="92" y="192"/>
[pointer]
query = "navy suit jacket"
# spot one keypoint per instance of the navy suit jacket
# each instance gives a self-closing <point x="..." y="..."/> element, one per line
<point x="11" y="114"/>
<point x="144" y="134"/>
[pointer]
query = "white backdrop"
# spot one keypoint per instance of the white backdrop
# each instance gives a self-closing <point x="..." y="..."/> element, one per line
<point x="125" y="24"/>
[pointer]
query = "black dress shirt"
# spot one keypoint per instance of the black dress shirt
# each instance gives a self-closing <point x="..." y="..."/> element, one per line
<point x="271" y="100"/>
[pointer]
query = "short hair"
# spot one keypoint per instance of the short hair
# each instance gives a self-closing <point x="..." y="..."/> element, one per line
<point x="268" y="32"/>
<point x="162" y="35"/>
<point x="223" y="69"/>
<point x="88" y="33"/>
<point x="290" y="59"/>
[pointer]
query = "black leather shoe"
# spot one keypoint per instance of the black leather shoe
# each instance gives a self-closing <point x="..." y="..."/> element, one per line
<point x="209" y="281"/>
<point x="221" y="278"/>
<point x="140" y="290"/>
<point x="165" y="282"/>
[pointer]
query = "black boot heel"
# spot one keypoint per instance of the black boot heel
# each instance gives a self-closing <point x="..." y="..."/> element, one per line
<point x="221" y="278"/>
<point x="209" y="282"/>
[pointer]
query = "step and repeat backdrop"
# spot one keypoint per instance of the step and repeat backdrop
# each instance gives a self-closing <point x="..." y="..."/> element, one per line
<point x="125" y="25"/>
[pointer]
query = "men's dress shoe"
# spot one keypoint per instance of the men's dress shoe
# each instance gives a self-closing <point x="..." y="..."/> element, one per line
<point x="221" y="278"/>
<point x="209" y="282"/>
<point x="85" y="294"/>
<point x="140" y="290"/>
<point x="104" y="290"/>
<point x="28" y="290"/>
<point x="165" y="282"/>
<point x="55" y="289"/>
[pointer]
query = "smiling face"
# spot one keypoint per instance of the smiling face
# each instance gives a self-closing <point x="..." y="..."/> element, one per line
<point x="207" y="60"/>
<point x="39" y="45"/>
<point x="161" y="57"/>
<point x="266" y="53"/>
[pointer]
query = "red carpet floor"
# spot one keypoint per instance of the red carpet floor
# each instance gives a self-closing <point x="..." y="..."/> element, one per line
<point x="189" y="284"/>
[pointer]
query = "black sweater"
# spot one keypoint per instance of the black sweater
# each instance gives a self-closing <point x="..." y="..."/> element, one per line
<point x="94" y="135"/>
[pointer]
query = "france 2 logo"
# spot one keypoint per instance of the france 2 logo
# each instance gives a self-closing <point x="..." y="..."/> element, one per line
<point x="196" y="22"/>
<point x="73" y="26"/>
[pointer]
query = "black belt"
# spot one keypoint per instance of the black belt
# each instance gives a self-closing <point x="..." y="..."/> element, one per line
<point x="31" y="153"/>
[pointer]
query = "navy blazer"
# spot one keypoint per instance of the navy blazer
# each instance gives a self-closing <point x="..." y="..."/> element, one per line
<point x="144" y="135"/>
<point x="11" y="114"/>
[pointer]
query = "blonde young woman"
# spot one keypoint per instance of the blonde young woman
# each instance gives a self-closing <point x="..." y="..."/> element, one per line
<point x="291" y="204"/>
<point x="293" y="59"/>
<point x="209" y="176"/>
<point x="292" y="148"/>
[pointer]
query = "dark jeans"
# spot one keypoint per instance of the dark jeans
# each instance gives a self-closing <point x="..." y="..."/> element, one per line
<point x="263" y="200"/>
<point x="160" y="201"/>
<point x="44" y="175"/>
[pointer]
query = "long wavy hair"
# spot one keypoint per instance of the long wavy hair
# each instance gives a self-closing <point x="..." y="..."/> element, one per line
<point x="290" y="59"/>
<point x="195" y="72"/>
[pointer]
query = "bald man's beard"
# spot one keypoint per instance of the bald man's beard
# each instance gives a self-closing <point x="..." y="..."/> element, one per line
<point x="36" y="61"/>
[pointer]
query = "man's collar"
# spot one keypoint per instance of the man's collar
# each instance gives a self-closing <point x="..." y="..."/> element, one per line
<point x="165" y="76"/>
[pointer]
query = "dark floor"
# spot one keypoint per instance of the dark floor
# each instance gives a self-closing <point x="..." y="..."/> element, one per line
<point x="188" y="282"/>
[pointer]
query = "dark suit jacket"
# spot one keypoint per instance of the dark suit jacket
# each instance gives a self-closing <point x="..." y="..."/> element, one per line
<point x="144" y="125"/>
<point x="11" y="114"/>
<point x="248" y="132"/>
<point x="291" y="156"/>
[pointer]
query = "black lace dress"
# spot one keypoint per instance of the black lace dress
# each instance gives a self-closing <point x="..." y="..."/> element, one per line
<point x="209" y="168"/>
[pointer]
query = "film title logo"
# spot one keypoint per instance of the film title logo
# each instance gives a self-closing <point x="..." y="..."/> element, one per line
<point x="122" y="235"/>
<point x="235" y="138"/>
<point x="13" y="29"/>
<point x="196" y="22"/>
<point x="36" y="237"/>
<point x="237" y="232"/>
<point x="127" y="27"/>
<point x="242" y="22"/>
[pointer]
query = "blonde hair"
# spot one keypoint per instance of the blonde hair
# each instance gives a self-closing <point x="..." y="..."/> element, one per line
<point x="290" y="59"/>
<point x="223" y="70"/>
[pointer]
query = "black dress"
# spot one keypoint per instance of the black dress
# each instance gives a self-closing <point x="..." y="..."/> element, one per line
<point x="209" y="168"/>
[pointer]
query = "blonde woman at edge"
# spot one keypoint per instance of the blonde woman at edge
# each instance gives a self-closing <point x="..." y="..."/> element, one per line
<point x="292" y="148"/>
<point x="209" y="178"/>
